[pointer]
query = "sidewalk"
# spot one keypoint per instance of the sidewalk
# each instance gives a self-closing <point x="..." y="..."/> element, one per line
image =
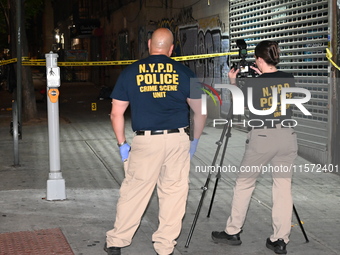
<point x="93" y="172"/>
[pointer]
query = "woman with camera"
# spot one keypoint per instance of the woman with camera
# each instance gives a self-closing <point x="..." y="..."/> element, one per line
<point x="271" y="139"/>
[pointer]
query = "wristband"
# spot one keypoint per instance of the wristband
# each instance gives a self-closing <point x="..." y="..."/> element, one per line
<point x="121" y="144"/>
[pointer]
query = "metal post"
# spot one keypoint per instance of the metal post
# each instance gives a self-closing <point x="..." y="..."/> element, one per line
<point x="15" y="133"/>
<point x="55" y="183"/>
<point x="19" y="76"/>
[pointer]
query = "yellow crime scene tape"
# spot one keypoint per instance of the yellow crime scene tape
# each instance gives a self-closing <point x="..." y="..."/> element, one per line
<point x="329" y="56"/>
<point x="213" y="55"/>
<point x="9" y="61"/>
<point x="42" y="62"/>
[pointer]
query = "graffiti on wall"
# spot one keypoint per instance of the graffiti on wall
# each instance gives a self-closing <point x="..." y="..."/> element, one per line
<point x="203" y="36"/>
<point x="195" y="41"/>
<point x="193" y="37"/>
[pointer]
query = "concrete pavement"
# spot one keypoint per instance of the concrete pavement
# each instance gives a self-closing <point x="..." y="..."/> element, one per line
<point x="93" y="172"/>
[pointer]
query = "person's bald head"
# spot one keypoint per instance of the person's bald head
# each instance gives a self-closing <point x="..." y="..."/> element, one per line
<point x="161" y="42"/>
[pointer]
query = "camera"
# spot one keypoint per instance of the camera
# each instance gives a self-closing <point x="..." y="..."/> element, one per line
<point x="243" y="65"/>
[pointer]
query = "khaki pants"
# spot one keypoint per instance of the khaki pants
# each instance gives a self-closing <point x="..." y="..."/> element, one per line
<point x="278" y="146"/>
<point x="154" y="159"/>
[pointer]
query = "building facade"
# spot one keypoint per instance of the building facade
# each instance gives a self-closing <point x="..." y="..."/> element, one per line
<point x="96" y="30"/>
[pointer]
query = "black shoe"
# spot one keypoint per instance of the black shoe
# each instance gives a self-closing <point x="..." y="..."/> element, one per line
<point x="223" y="237"/>
<point x="279" y="246"/>
<point x="112" y="250"/>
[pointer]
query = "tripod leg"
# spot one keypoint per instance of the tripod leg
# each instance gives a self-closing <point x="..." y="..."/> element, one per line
<point x="300" y="224"/>
<point x="205" y="188"/>
<point x="219" y="143"/>
<point x="213" y="196"/>
<point x="218" y="175"/>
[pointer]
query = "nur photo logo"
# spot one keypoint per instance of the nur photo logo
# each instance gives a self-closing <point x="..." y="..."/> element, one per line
<point x="278" y="99"/>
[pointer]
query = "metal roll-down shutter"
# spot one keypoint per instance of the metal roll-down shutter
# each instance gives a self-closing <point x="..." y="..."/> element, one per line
<point x="301" y="29"/>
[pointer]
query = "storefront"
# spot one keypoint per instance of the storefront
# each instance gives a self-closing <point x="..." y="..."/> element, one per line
<point x="302" y="30"/>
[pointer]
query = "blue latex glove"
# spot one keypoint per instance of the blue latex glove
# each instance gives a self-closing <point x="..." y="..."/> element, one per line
<point x="124" y="151"/>
<point x="193" y="147"/>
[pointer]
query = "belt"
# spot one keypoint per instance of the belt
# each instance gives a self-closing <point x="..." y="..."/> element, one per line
<point x="158" y="132"/>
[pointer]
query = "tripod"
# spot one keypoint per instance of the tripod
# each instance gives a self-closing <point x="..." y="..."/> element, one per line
<point x="226" y="133"/>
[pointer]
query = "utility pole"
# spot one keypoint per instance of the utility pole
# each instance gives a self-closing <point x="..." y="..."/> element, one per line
<point x="18" y="104"/>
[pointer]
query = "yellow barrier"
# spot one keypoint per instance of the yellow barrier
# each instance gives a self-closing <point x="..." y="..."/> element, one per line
<point x="9" y="61"/>
<point x="41" y="62"/>
<point x="329" y="56"/>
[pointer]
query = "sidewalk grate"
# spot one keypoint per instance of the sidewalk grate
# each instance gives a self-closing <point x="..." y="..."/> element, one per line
<point x="39" y="242"/>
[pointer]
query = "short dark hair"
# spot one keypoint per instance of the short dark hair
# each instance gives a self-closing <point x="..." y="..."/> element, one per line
<point x="269" y="51"/>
